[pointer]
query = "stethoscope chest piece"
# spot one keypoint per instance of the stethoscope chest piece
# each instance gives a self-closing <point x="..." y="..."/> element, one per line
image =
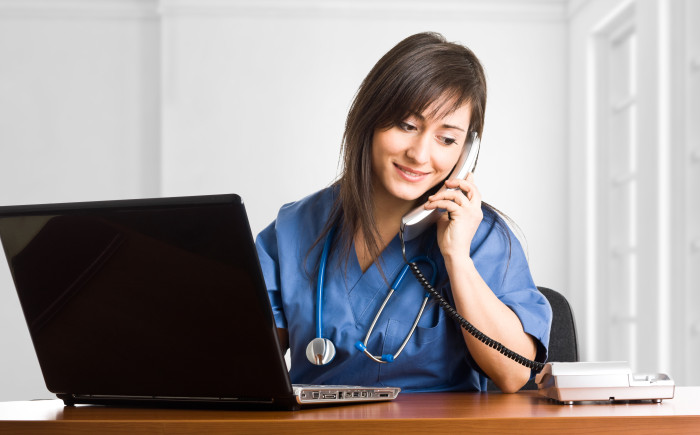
<point x="320" y="351"/>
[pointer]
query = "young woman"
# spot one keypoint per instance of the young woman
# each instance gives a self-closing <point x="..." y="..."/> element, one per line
<point x="407" y="126"/>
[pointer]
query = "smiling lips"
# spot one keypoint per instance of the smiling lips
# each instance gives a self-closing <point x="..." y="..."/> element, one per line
<point x="409" y="173"/>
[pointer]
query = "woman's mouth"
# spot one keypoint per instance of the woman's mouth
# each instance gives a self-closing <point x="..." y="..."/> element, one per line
<point x="409" y="173"/>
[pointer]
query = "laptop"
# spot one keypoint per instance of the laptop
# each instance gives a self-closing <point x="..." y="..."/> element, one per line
<point x="153" y="301"/>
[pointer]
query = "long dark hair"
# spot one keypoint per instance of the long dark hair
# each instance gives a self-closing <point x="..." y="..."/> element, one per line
<point x="421" y="70"/>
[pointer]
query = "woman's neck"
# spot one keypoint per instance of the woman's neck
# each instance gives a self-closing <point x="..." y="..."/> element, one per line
<point x="388" y="211"/>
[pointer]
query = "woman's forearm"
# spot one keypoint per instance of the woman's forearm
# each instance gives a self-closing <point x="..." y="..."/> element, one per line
<point x="475" y="301"/>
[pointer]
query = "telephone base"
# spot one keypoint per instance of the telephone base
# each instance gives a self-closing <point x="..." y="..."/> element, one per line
<point x="610" y="382"/>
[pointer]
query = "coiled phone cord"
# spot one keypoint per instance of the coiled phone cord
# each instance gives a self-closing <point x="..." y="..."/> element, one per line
<point x="537" y="366"/>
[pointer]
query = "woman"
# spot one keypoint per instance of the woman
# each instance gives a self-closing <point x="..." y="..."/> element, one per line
<point x="404" y="133"/>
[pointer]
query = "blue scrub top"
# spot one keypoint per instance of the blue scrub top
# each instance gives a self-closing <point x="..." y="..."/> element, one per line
<point x="436" y="358"/>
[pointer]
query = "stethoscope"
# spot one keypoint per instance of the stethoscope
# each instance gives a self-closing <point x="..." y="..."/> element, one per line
<point x="321" y="350"/>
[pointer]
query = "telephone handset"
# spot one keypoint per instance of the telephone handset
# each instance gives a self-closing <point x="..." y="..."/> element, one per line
<point x="419" y="219"/>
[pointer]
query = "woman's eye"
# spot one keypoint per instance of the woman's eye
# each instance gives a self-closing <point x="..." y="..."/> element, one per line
<point x="406" y="126"/>
<point x="447" y="140"/>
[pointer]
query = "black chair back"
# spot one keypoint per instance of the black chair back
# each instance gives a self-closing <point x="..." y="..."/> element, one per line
<point x="563" y="341"/>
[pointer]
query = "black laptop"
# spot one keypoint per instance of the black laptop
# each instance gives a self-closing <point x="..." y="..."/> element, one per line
<point x="153" y="301"/>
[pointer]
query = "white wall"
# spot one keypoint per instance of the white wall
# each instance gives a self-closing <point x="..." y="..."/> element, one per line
<point x="650" y="316"/>
<point x="103" y="99"/>
<point x="79" y="86"/>
<point x="255" y="102"/>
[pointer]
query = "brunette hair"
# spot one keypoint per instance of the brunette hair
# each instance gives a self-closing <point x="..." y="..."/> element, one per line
<point x="422" y="70"/>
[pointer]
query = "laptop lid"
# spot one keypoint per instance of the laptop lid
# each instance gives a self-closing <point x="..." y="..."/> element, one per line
<point x="142" y="300"/>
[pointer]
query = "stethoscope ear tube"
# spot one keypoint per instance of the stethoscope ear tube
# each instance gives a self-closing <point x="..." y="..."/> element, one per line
<point x="387" y="358"/>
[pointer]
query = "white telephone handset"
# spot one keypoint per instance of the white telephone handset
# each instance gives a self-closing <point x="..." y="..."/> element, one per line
<point x="419" y="219"/>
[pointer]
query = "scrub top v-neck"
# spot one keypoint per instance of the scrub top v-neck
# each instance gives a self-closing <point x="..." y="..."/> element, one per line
<point x="436" y="357"/>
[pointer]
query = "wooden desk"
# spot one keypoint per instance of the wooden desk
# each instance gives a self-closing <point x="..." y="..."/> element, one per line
<point x="521" y="413"/>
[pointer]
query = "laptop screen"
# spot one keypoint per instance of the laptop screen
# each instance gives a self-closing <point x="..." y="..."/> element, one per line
<point x="160" y="297"/>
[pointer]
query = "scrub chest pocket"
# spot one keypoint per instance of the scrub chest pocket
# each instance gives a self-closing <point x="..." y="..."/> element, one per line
<point x="440" y="351"/>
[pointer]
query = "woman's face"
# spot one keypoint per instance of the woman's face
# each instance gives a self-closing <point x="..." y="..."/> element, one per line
<point x="410" y="158"/>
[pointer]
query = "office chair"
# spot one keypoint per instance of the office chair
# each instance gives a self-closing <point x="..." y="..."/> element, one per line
<point x="563" y="342"/>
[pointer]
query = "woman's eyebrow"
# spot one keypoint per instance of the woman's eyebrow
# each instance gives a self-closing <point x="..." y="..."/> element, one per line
<point x="422" y="118"/>
<point x="453" y="126"/>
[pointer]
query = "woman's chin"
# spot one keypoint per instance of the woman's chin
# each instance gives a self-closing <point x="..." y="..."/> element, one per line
<point x="409" y="196"/>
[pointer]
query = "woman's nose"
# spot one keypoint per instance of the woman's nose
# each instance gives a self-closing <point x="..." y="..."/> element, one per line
<point x="419" y="148"/>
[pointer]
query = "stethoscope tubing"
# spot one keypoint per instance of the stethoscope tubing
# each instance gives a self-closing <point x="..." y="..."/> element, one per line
<point x="320" y="282"/>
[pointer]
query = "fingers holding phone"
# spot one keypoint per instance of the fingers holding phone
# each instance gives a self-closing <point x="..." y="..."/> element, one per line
<point x="462" y="203"/>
